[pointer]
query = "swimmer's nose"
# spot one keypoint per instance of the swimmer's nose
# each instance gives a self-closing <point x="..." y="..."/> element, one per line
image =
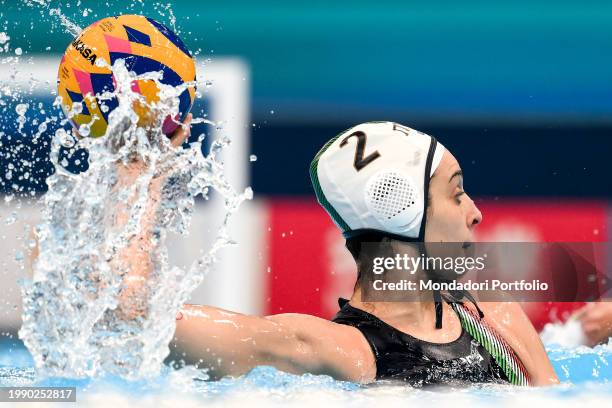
<point x="474" y="215"/>
<point x="179" y="316"/>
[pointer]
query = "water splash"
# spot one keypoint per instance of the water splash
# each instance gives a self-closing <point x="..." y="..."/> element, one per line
<point x="568" y="334"/>
<point x="74" y="323"/>
<point x="69" y="26"/>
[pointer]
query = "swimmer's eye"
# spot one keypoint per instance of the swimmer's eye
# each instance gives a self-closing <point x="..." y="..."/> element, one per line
<point x="458" y="196"/>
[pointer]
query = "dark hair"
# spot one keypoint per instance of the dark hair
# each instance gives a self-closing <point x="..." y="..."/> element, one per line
<point x="364" y="248"/>
<point x="354" y="244"/>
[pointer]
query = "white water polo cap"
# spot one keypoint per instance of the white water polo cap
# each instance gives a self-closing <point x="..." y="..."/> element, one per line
<point x="374" y="177"/>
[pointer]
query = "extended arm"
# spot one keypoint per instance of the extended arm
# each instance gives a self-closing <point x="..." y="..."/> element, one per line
<point x="231" y="344"/>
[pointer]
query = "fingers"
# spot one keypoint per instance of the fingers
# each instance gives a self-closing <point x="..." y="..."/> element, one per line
<point x="182" y="132"/>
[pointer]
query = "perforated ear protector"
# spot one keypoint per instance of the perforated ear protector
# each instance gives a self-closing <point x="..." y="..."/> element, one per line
<point x="394" y="200"/>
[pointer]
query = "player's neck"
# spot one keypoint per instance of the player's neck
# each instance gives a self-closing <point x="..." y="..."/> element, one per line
<point x="416" y="311"/>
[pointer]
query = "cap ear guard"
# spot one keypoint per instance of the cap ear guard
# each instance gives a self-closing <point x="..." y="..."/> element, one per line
<point x="393" y="199"/>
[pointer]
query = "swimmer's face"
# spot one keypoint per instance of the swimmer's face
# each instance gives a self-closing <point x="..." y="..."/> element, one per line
<point x="452" y="215"/>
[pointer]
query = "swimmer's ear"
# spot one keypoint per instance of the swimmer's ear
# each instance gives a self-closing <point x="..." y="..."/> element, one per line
<point x="182" y="132"/>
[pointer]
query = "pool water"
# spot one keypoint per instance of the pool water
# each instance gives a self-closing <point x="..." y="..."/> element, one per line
<point x="585" y="374"/>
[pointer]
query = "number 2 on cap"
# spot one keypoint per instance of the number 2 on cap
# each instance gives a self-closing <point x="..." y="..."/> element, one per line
<point x="360" y="162"/>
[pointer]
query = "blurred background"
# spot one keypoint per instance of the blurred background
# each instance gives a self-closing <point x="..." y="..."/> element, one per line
<point x="520" y="92"/>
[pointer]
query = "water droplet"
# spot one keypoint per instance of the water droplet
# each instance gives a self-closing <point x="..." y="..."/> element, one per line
<point x="21" y="109"/>
<point x="18" y="51"/>
<point x="84" y="130"/>
<point x="101" y="63"/>
<point x="11" y="218"/>
<point x="77" y="107"/>
<point x="252" y="158"/>
<point x="65" y="138"/>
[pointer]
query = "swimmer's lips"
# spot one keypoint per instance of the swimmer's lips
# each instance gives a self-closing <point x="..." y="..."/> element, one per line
<point x="469" y="248"/>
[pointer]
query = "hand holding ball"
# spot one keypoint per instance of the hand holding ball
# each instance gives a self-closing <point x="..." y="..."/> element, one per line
<point x="146" y="46"/>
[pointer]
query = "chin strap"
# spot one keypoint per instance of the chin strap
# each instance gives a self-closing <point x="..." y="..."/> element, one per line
<point x="464" y="293"/>
<point x="457" y="296"/>
<point x="438" y="303"/>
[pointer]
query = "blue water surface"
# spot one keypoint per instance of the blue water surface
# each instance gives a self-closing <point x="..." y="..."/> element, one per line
<point x="585" y="374"/>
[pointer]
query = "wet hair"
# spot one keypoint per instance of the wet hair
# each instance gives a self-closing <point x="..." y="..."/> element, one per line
<point x="363" y="248"/>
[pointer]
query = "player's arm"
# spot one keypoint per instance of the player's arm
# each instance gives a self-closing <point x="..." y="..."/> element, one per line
<point x="232" y="344"/>
<point x="134" y="261"/>
<point x="512" y="323"/>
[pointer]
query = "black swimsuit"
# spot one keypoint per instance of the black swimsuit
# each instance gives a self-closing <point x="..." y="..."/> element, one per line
<point x="400" y="356"/>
